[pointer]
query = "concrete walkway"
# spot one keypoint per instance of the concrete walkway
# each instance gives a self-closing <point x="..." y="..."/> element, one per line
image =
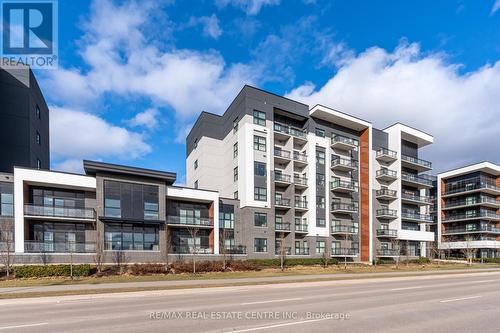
<point x="232" y="281"/>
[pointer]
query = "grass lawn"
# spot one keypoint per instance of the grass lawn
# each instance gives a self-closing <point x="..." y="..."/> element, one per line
<point x="266" y="272"/>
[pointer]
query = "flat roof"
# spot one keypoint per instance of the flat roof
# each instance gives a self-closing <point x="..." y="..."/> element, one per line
<point x="338" y="117"/>
<point x="92" y="167"/>
<point x="408" y="133"/>
<point x="485" y="166"/>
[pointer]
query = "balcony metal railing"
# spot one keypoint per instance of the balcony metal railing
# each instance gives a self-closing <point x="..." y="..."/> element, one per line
<point x="46" y="211"/>
<point x="344" y="162"/>
<point x="471" y="202"/>
<point x="344" y="252"/>
<point x="385" y="192"/>
<point x="283" y="226"/>
<point x="297" y="132"/>
<point x="58" y="247"/>
<point x="302" y="227"/>
<point x="419" y="179"/>
<point x="282" y="153"/>
<point x="189" y="249"/>
<point x="299" y="156"/>
<point x="386" y="152"/>
<point x="340" y="228"/>
<point x="472" y="215"/>
<point x="301" y="204"/>
<point x="338" y="184"/>
<point x="202" y="221"/>
<point x="405" y="215"/>
<point x="300" y="180"/>
<point x="287" y="250"/>
<point x="235" y="249"/>
<point x="301" y="251"/>
<point x="472" y="187"/>
<point x="281" y="177"/>
<point x="386" y="173"/>
<point x="417" y="161"/>
<point x="282" y="202"/>
<point x="471" y="229"/>
<point x="340" y="206"/>
<point x="387" y="232"/>
<point x="344" y="140"/>
<point x="386" y="212"/>
<point x="417" y="198"/>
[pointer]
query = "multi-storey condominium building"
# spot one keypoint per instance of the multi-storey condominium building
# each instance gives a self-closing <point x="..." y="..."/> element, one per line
<point x="24" y="121"/>
<point x="401" y="191"/>
<point x="309" y="177"/>
<point x="468" y="206"/>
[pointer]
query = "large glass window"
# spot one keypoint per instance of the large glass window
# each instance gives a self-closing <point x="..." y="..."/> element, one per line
<point x="122" y="237"/>
<point x="259" y="118"/>
<point x="320" y="179"/>
<point x="260" y="194"/>
<point x="320" y="157"/>
<point x="112" y="208"/>
<point x="131" y="201"/>
<point x="260" y="219"/>
<point x="226" y="220"/>
<point x="6" y="199"/>
<point x="320" y="132"/>
<point x="320" y="202"/>
<point x="320" y="246"/>
<point x="190" y="216"/>
<point x="259" y="169"/>
<point x="259" y="143"/>
<point x="320" y="222"/>
<point x="260" y="245"/>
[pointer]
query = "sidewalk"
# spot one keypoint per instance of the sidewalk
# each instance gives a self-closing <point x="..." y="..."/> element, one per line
<point x="102" y="287"/>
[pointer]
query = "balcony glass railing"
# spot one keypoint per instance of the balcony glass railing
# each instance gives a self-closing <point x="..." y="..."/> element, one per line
<point x="235" y="249"/>
<point x="386" y="212"/>
<point x="386" y="173"/>
<point x="417" y="198"/>
<point x="343" y="185"/>
<point x="281" y="177"/>
<point x="419" y="179"/>
<point x="472" y="215"/>
<point x="182" y="220"/>
<point x="343" y="229"/>
<point x="287" y="250"/>
<point x="473" y="228"/>
<point x="282" y="153"/>
<point x="386" y="193"/>
<point x="387" y="152"/>
<point x="283" y="226"/>
<point x="344" y="162"/>
<point x="301" y="227"/>
<point x="344" y="252"/>
<point x="387" y="232"/>
<point x="189" y="249"/>
<point x="416" y="216"/>
<point x="301" y="204"/>
<point x="340" y="206"/>
<point x="471" y="187"/>
<point x="297" y="132"/>
<point x="387" y="252"/>
<point x="282" y="202"/>
<point x="299" y="156"/>
<point x="417" y="161"/>
<point x="46" y="211"/>
<point x="471" y="202"/>
<point x="300" y="180"/>
<point x="344" y="140"/>
<point x="58" y="247"/>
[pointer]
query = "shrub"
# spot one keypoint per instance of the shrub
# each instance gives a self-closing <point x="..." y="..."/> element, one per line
<point x="488" y="260"/>
<point x="243" y="265"/>
<point x="29" y="271"/>
<point x="202" y="266"/>
<point x="145" y="269"/>
<point x="292" y="262"/>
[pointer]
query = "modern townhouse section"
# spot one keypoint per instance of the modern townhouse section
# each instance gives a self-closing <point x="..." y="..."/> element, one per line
<point x="126" y="214"/>
<point x="402" y="188"/>
<point x="468" y="206"/>
<point x="302" y="176"/>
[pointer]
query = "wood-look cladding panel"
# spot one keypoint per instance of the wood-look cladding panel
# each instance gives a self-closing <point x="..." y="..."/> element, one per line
<point x="364" y="194"/>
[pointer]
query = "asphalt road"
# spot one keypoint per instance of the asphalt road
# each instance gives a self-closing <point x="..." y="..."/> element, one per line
<point x="444" y="303"/>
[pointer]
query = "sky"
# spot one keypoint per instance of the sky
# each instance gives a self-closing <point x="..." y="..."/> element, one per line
<point x="134" y="75"/>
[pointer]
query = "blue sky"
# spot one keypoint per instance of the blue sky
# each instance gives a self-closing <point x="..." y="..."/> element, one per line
<point x="134" y="75"/>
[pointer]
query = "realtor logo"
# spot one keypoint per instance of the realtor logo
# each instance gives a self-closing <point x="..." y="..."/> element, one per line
<point x="29" y="33"/>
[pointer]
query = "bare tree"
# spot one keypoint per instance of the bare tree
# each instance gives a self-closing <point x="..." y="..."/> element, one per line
<point x="435" y="251"/>
<point x="71" y="244"/>
<point x="222" y="247"/>
<point x="282" y="250"/>
<point x="396" y="247"/>
<point x="168" y="247"/>
<point x="407" y="252"/>
<point x="6" y="248"/>
<point x="193" y="232"/>
<point x="120" y="260"/>
<point x="326" y="258"/>
<point x="99" y="248"/>
<point x="469" y="251"/>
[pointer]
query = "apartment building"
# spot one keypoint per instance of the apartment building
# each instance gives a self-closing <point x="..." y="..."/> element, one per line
<point x="468" y="206"/>
<point x="126" y="214"/>
<point x="402" y="187"/>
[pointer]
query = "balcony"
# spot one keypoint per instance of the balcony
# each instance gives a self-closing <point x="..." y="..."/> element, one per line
<point x="58" y="247"/>
<point x="301" y="228"/>
<point x="287" y="250"/>
<point x="301" y="251"/>
<point x="473" y="188"/>
<point x="387" y="233"/>
<point x="343" y="164"/>
<point x="62" y="213"/>
<point x="421" y="181"/>
<point x="343" y="186"/>
<point x="300" y="205"/>
<point x="300" y="182"/>
<point x="281" y="155"/>
<point x="475" y="229"/>
<point x="235" y="249"/>
<point x="387" y="253"/>
<point x="344" y="252"/>
<point x="286" y="131"/>
<point x="344" y="208"/>
<point x="190" y="222"/>
<point x="282" y="227"/>
<point x="281" y="178"/>
<point x="282" y="203"/>
<point x="386" y="214"/>
<point x="300" y="158"/>
<point x="386" y="175"/>
<point x="416" y="199"/>
<point x="343" y="142"/>
<point x="416" y="217"/>
<point x="386" y="155"/>
<point x="339" y="229"/>
<point x="189" y="249"/>
<point x="386" y="194"/>
<point x="474" y="215"/>
<point x="415" y="163"/>
<point x="472" y="202"/>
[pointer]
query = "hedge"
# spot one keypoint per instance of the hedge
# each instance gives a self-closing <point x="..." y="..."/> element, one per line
<point x="29" y="271"/>
<point x="292" y="262"/>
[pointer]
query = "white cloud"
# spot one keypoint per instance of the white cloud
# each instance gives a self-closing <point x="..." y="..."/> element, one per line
<point x="147" y="119"/>
<point x="496" y="6"/>
<point x="251" y="7"/>
<point x="210" y="25"/>
<point x="422" y="90"/>
<point x="76" y="135"/>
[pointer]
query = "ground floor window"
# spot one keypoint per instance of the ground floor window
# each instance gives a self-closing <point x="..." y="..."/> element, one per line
<point x="123" y="237"/>
<point x="260" y="245"/>
<point x="58" y="237"/>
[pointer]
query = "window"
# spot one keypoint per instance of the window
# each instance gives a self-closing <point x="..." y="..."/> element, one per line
<point x="37" y="112"/>
<point x="151" y="211"/>
<point x="235" y="125"/>
<point x="260" y="194"/>
<point x="320" y="222"/>
<point x="38" y="139"/>
<point x="122" y="237"/>
<point x="259" y="117"/>
<point x="235" y="174"/>
<point x="260" y="219"/>
<point x="112" y="207"/>
<point x="189" y="216"/>
<point x="320" y="157"/>
<point x="320" y="132"/>
<point x="259" y="169"/>
<point x="235" y="150"/>
<point x="320" y="202"/>
<point x="195" y="143"/>
<point x="6" y="199"/>
<point x="320" y="246"/>
<point x="320" y="179"/>
<point x="196" y="164"/>
<point x="38" y="164"/>
<point x="195" y="184"/>
<point x="335" y="247"/>
<point x="259" y="143"/>
<point x="260" y="245"/>
<point x="235" y="194"/>
<point x="226" y="220"/>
